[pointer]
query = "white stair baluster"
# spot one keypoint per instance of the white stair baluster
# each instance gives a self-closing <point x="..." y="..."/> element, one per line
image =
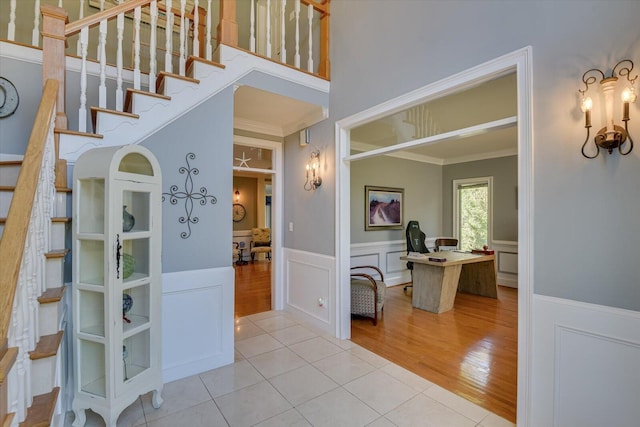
<point x="252" y="28"/>
<point x="82" y="112"/>
<point x="119" y="96"/>
<point x="310" y="58"/>
<point x="80" y="16"/>
<point x="283" y="46"/>
<point x="209" y="47"/>
<point x="268" y="29"/>
<point x="59" y="3"/>
<point x="196" y="30"/>
<point x="137" y="15"/>
<point x="182" y="61"/>
<point x="102" y="89"/>
<point x="296" y="58"/>
<point x="99" y="41"/>
<point x="168" y="66"/>
<point x="152" y="46"/>
<point x="11" y="29"/>
<point x="187" y="25"/>
<point x="35" y="34"/>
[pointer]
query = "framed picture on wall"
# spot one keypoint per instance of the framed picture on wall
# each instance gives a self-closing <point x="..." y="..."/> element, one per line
<point x="384" y="208"/>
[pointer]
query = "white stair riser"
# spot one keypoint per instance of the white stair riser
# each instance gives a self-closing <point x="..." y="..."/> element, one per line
<point x="60" y="204"/>
<point x="107" y="122"/>
<point x="58" y="232"/>
<point x="143" y="103"/>
<point x="9" y="174"/>
<point x="203" y="71"/>
<point x="44" y="373"/>
<point x="173" y="86"/>
<point x="55" y="272"/>
<point x="50" y="317"/>
<point x="5" y="202"/>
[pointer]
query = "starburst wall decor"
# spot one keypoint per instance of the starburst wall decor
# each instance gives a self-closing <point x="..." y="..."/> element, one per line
<point x="189" y="196"/>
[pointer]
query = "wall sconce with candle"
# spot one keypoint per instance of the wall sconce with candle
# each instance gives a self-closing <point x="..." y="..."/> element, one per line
<point x="237" y="194"/>
<point x="313" y="167"/>
<point x="611" y="136"/>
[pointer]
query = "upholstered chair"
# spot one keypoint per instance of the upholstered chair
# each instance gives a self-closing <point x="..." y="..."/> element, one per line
<point x="367" y="291"/>
<point x="260" y="242"/>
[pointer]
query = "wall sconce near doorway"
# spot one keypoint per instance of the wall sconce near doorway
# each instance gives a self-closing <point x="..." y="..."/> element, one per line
<point x="611" y="136"/>
<point x="237" y="194"/>
<point x="314" y="166"/>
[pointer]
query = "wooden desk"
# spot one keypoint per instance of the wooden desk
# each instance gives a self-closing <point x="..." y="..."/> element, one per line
<point x="435" y="283"/>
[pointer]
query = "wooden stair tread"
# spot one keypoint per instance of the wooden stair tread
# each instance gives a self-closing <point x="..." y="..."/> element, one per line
<point x="130" y="92"/>
<point x="56" y="253"/>
<point x="41" y="410"/>
<point x="191" y="59"/>
<point x="54" y="219"/>
<point x="13" y="188"/>
<point x="77" y="133"/>
<point x="8" y="419"/>
<point x="95" y="110"/>
<point x="47" y="346"/>
<point x="63" y="190"/>
<point x="10" y="162"/>
<point x="51" y="295"/>
<point x="7" y="361"/>
<point x="163" y="74"/>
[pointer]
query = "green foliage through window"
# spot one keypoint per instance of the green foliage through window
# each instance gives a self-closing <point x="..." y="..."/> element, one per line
<point x="474" y="216"/>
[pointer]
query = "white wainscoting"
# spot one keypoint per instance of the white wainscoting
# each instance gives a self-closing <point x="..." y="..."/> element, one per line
<point x="197" y="321"/>
<point x="385" y="256"/>
<point x="506" y="262"/>
<point x="310" y="289"/>
<point x="585" y="364"/>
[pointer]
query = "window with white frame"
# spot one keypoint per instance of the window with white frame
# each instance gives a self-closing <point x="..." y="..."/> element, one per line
<point x="472" y="212"/>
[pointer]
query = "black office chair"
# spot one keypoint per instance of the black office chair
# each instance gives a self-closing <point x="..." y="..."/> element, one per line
<point x="415" y="243"/>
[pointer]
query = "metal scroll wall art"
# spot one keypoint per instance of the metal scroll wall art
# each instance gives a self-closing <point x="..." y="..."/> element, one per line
<point x="189" y="196"/>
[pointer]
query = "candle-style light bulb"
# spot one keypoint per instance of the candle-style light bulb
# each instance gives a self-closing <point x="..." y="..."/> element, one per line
<point x="587" y="105"/>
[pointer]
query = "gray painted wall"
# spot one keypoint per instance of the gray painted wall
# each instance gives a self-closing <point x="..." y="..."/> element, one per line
<point x="383" y="49"/>
<point x="505" y="180"/>
<point x="422" y="183"/>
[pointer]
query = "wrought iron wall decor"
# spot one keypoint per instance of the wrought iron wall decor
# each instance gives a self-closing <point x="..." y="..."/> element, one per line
<point x="189" y="196"/>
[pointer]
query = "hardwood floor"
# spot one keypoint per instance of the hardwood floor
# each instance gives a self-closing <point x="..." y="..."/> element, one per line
<point x="470" y="350"/>
<point x="253" y="288"/>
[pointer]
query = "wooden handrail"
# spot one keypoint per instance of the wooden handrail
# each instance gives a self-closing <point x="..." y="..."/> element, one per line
<point x="93" y="20"/>
<point x="17" y="223"/>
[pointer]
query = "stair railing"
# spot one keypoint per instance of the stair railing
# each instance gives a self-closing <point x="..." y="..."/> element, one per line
<point x="22" y="249"/>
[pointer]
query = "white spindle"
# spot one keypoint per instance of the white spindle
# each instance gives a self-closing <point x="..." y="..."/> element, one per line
<point x="137" y="15"/>
<point x="168" y="66"/>
<point x="35" y="34"/>
<point x="252" y="28"/>
<point x="80" y="16"/>
<point x="296" y="58"/>
<point x="187" y="25"/>
<point x="310" y="19"/>
<point x="196" y="30"/>
<point x="119" y="97"/>
<point x="82" y="112"/>
<point x="152" y="46"/>
<point x="268" y="29"/>
<point x="11" y="29"/>
<point x="59" y="3"/>
<point x="209" y="47"/>
<point x="99" y="41"/>
<point x="183" y="57"/>
<point x="102" y="90"/>
<point x="283" y="48"/>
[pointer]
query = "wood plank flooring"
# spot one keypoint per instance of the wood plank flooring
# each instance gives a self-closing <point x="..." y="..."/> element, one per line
<point x="470" y="350"/>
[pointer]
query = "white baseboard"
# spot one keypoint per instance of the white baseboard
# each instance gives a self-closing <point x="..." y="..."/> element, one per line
<point x="310" y="289"/>
<point x="197" y="321"/>
<point x="585" y="364"/>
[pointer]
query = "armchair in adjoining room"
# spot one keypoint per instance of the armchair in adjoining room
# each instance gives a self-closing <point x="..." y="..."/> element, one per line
<point x="367" y="292"/>
<point x="260" y="242"/>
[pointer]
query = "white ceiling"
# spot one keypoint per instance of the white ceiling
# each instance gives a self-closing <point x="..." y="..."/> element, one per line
<point x="488" y="102"/>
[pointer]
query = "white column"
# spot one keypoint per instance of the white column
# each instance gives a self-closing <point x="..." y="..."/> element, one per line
<point x="168" y="66"/>
<point x="310" y="58"/>
<point x="35" y="34"/>
<point x="153" y="46"/>
<point x="119" y="96"/>
<point x="137" y="14"/>
<point x="209" y="47"/>
<point x="296" y="58"/>
<point x="283" y="48"/>
<point x="102" y="90"/>
<point x="82" y="112"/>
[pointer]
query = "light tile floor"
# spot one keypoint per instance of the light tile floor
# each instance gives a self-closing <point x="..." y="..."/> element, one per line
<point x="288" y="374"/>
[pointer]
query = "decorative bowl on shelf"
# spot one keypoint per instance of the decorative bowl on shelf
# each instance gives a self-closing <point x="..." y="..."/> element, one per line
<point x="127" y="303"/>
<point x="128" y="221"/>
<point x="129" y="264"/>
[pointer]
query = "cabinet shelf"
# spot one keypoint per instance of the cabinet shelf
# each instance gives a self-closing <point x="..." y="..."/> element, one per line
<point x="117" y="230"/>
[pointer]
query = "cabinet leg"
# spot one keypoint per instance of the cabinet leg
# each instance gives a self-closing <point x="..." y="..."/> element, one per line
<point x="81" y="418"/>
<point x="156" y="399"/>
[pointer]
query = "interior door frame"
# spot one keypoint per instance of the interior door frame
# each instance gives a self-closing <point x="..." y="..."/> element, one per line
<point x="277" y="207"/>
<point x="519" y="61"/>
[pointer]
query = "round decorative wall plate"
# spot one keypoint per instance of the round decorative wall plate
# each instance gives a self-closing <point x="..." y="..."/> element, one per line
<point x="8" y="98"/>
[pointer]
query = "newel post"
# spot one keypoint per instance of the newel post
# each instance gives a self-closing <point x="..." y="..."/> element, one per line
<point x="228" y="27"/>
<point x="54" y="43"/>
